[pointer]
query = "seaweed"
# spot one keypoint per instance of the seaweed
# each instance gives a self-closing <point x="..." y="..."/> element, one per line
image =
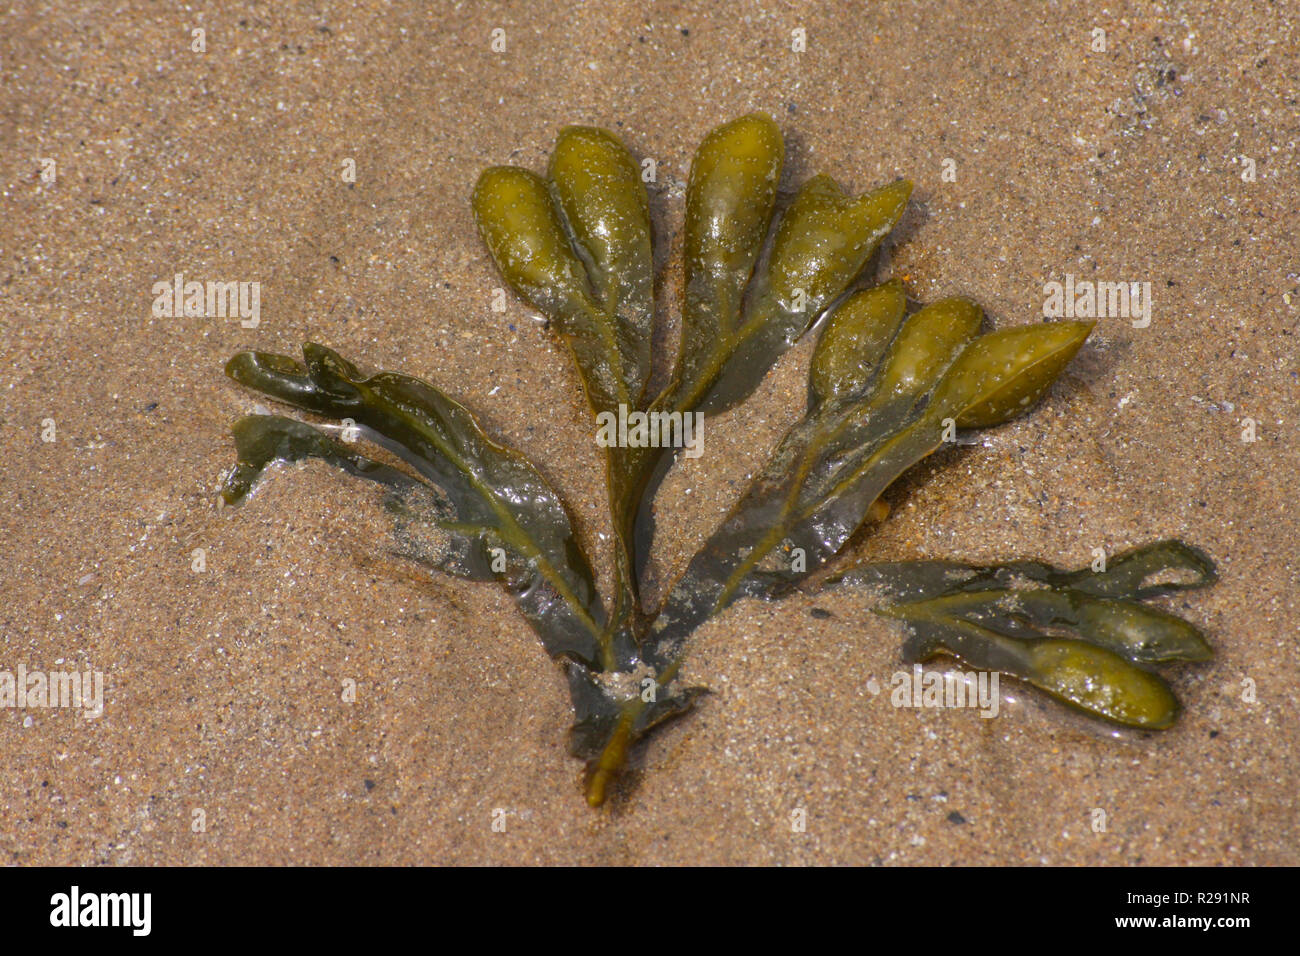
<point x="1084" y="637"/>
<point x="889" y="384"/>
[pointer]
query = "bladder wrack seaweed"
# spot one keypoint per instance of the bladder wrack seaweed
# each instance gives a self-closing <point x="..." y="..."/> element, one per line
<point x="885" y="389"/>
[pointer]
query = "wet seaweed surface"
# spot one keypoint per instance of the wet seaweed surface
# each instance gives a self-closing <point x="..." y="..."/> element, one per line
<point x="890" y="383"/>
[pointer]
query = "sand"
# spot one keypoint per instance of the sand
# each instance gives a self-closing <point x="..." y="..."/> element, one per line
<point x="225" y="737"/>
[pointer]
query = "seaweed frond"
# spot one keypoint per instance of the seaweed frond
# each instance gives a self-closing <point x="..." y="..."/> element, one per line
<point x="888" y="385"/>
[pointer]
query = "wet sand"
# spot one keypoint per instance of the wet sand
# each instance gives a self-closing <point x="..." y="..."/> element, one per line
<point x="224" y="737"/>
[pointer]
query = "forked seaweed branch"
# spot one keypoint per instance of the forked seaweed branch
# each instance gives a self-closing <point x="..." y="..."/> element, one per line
<point x="888" y="384"/>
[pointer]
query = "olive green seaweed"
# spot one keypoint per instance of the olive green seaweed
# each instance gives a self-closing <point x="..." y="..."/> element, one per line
<point x="1085" y="637"/>
<point x="498" y="500"/>
<point x="889" y="384"/>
